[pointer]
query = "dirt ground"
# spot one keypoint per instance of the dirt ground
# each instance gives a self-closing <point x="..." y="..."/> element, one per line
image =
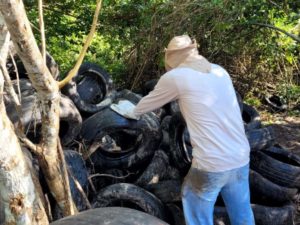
<point x="286" y="129"/>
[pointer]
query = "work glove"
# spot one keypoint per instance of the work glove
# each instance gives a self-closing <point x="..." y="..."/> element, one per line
<point x="125" y="108"/>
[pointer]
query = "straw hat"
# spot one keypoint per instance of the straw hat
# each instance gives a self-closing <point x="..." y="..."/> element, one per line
<point x="182" y="52"/>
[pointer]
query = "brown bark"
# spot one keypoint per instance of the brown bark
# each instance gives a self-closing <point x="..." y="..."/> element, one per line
<point x="48" y="93"/>
<point x="20" y="203"/>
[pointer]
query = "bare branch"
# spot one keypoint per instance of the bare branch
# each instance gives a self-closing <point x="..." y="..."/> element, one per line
<point x="69" y="201"/>
<point x="42" y="29"/>
<point x="294" y="37"/>
<point x="88" y="41"/>
<point x="79" y="188"/>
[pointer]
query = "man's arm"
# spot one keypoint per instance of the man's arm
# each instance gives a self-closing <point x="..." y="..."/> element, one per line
<point x="164" y="92"/>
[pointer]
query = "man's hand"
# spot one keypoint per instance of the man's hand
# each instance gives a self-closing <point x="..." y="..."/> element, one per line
<point x="125" y="108"/>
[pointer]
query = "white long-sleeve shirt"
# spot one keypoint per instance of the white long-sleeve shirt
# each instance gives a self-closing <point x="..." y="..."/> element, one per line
<point x="209" y="105"/>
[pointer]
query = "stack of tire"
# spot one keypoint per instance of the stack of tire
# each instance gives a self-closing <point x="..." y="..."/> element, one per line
<point x="119" y="162"/>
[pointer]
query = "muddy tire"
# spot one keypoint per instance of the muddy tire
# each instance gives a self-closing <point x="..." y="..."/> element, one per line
<point x="70" y="118"/>
<point x="135" y="98"/>
<point x="155" y="171"/>
<point x="260" y="138"/>
<point x="263" y="190"/>
<point x="180" y="148"/>
<point x="263" y="215"/>
<point x="176" y="214"/>
<point x="50" y="62"/>
<point x="91" y="89"/>
<point x="277" y="165"/>
<point x="130" y="196"/>
<point x="136" y="140"/>
<point x="250" y="117"/>
<point x="168" y="191"/>
<point x="110" y="216"/>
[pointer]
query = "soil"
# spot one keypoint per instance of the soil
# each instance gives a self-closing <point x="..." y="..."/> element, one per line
<point x="286" y="130"/>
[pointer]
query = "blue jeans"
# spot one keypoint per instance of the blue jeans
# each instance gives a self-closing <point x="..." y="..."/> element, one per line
<point x="200" y="191"/>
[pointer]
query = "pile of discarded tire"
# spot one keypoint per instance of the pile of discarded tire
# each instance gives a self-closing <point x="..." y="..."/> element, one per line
<point x="140" y="165"/>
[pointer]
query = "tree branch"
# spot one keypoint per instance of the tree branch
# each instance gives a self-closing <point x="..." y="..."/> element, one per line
<point x="42" y="29"/>
<point x="88" y="41"/>
<point x="294" y="37"/>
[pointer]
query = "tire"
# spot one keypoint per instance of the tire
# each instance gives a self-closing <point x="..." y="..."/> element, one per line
<point x="131" y="196"/>
<point x="176" y="214"/>
<point x="50" y="62"/>
<point x="275" y="103"/>
<point x="129" y="95"/>
<point x="149" y="86"/>
<point x="264" y="191"/>
<point x="180" y="148"/>
<point x="155" y="171"/>
<point x="91" y="89"/>
<point x="70" y="118"/>
<point x="77" y="172"/>
<point x="110" y="216"/>
<point x="137" y="140"/>
<point x="165" y="141"/>
<point x="263" y="215"/>
<point x="277" y="165"/>
<point x="168" y="191"/>
<point x="260" y="139"/>
<point x="240" y="101"/>
<point x="250" y="117"/>
<point x="135" y="98"/>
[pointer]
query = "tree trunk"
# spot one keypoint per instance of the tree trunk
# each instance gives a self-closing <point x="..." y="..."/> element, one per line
<point x="48" y="93"/>
<point x="20" y="203"/>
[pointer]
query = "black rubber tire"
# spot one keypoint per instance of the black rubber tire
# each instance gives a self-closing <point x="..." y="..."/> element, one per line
<point x="50" y="62"/>
<point x="275" y="103"/>
<point x="135" y="98"/>
<point x="263" y="215"/>
<point x="260" y="139"/>
<point x="176" y="214"/>
<point x="129" y="95"/>
<point x="141" y="147"/>
<point x="78" y="171"/>
<point x="149" y="86"/>
<point x="168" y="191"/>
<point x="250" y="117"/>
<point x="277" y="165"/>
<point x="70" y="118"/>
<point x="133" y="195"/>
<point x="173" y="174"/>
<point x="100" y="93"/>
<point x="240" y="101"/>
<point x="165" y="141"/>
<point x="264" y="191"/>
<point x="155" y="171"/>
<point x="110" y="216"/>
<point x="180" y="149"/>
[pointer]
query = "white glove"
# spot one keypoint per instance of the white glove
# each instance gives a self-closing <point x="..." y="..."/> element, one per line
<point x="125" y="108"/>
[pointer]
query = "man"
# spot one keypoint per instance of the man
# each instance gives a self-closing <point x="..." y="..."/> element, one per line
<point x="209" y="105"/>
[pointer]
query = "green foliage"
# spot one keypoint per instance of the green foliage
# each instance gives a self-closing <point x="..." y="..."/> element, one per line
<point x="132" y="34"/>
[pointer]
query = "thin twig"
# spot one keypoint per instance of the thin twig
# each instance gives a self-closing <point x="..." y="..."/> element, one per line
<point x="35" y="149"/>
<point x="79" y="188"/>
<point x="109" y="175"/>
<point x="294" y="37"/>
<point x="42" y="29"/>
<point x="69" y="200"/>
<point x="48" y="208"/>
<point x="17" y="75"/>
